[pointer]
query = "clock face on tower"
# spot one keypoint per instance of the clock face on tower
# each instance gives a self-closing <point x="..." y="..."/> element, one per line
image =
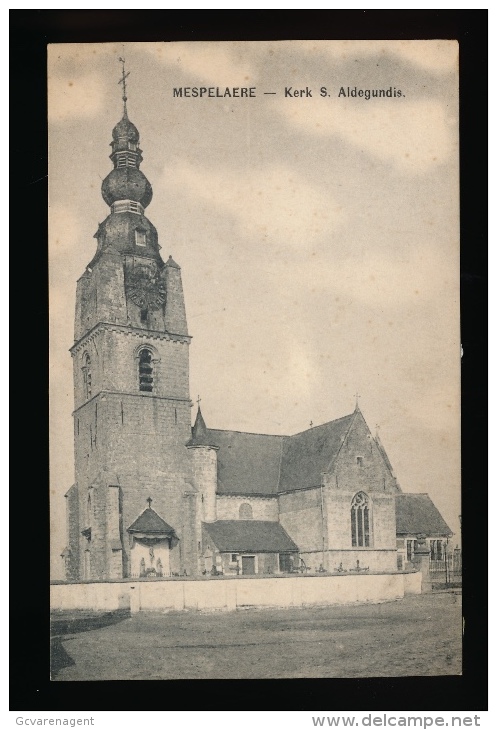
<point x="145" y="287"/>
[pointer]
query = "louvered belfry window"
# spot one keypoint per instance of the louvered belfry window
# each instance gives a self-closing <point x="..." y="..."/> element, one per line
<point x="87" y="376"/>
<point x="145" y="371"/>
<point x="359" y="518"/>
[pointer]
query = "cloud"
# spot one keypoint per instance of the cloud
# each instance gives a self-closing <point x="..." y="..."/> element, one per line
<point x="374" y="279"/>
<point x="437" y="56"/>
<point x="413" y="136"/>
<point x="219" y="64"/>
<point x="63" y="227"/>
<point x="272" y="203"/>
<point x="74" y="97"/>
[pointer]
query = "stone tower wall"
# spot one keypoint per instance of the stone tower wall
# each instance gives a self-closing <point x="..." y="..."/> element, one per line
<point x="205" y="479"/>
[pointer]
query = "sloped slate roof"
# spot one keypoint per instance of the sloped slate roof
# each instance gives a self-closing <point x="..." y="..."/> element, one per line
<point x="150" y="522"/>
<point x="247" y="463"/>
<point x="416" y="514"/>
<point x="306" y="455"/>
<point x="263" y="464"/>
<point x="200" y="435"/>
<point x="249" y="536"/>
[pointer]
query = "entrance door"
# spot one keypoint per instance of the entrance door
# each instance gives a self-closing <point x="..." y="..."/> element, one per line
<point x="248" y="565"/>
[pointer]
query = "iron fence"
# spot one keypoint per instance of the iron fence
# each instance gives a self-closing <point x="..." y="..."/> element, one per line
<point x="448" y="570"/>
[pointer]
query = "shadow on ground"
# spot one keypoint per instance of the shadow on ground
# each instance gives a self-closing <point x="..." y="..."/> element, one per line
<point x="59" y="658"/>
<point x="73" y="622"/>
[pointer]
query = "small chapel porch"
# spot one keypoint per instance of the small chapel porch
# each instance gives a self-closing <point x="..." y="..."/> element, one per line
<point x="152" y="540"/>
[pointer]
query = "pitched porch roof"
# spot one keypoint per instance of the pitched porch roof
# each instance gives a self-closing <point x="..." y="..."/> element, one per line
<point x="249" y="536"/>
<point x="150" y="523"/>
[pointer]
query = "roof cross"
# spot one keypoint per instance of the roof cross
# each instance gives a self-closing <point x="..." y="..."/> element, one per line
<point x="149" y="500"/>
<point x="357" y="396"/>
<point x="311" y="424"/>
<point x="123" y="82"/>
<point x="198" y="401"/>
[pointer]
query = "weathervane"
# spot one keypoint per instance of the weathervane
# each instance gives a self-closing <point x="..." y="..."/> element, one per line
<point x="123" y="82"/>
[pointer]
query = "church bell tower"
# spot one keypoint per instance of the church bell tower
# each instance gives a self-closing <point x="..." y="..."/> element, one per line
<point x="131" y="389"/>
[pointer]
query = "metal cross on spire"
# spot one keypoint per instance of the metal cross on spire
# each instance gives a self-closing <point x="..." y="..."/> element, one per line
<point x="123" y="82"/>
<point x="357" y="396"/>
<point x="198" y="401"/>
<point x="149" y="500"/>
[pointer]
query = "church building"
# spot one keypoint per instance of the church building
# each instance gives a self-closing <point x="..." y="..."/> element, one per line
<point x="154" y="497"/>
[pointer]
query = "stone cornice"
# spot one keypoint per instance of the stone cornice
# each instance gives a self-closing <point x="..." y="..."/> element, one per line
<point x="127" y="330"/>
<point x="134" y="395"/>
<point x="299" y="489"/>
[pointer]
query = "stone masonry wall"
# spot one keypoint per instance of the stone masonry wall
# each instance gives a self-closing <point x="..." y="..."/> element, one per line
<point x="228" y="507"/>
<point x="300" y="515"/>
<point x="114" y="358"/>
<point x="370" y="473"/>
<point x="382" y="519"/>
<point x="72" y="516"/>
<point x="204" y="460"/>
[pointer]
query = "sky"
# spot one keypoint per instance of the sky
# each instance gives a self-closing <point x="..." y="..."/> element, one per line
<point x="318" y="236"/>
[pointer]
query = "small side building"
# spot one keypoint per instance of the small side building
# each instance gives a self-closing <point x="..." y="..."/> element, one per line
<point x="418" y="518"/>
<point x="248" y="547"/>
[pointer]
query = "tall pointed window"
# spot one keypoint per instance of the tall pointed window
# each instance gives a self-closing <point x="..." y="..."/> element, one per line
<point x="87" y="376"/>
<point x="145" y="371"/>
<point x="360" y="520"/>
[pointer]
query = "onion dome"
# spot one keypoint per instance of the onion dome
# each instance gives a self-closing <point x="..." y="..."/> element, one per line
<point x="125" y="130"/>
<point x="127" y="183"/>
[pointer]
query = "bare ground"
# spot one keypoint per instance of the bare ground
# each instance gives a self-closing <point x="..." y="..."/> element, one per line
<point x="419" y="635"/>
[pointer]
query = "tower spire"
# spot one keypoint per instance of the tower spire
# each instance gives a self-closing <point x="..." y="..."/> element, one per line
<point x="122" y="81"/>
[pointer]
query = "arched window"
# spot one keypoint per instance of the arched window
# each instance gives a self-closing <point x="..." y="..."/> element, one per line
<point x="145" y="371"/>
<point x="245" y="512"/>
<point x="360" y="520"/>
<point x="87" y="375"/>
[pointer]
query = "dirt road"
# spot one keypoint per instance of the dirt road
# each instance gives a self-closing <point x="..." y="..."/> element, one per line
<point x="419" y="635"/>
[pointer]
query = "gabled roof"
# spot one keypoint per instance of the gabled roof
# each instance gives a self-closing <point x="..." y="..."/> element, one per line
<point x="149" y="522"/>
<point x="382" y="451"/>
<point x="306" y="455"/>
<point x="416" y="514"/>
<point x="249" y="536"/>
<point x="247" y="463"/>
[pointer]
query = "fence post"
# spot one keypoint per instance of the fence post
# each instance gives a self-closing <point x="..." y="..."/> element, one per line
<point x="422" y="562"/>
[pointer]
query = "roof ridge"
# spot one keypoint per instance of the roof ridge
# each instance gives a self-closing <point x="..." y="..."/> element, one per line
<point x="344" y="439"/>
<point x="251" y="433"/>
<point x="320" y="425"/>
